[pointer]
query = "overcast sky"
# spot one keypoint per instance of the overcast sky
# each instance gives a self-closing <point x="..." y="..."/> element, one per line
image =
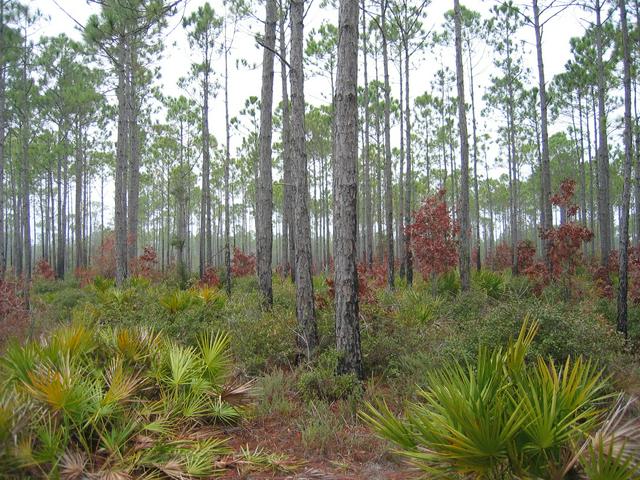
<point x="63" y="16"/>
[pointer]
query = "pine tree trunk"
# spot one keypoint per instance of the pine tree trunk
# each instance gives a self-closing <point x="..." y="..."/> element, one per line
<point x="288" y="231"/>
<point x="546" y="219"/>
<point x="308" y="334"/>
<point x="604" y="201"/>
<point x="388" y="179"/>
<point x="3" y="80"/>
<point x="227" y="167"/>
<point x="264" y="203"/>
<point x="120" y="216"/>
<point x="368" y="215"/>
<point x="465" y="224"/>
<point x="133" y="196"/>
<point x="408" y="259"/>
<point x="345" y="154"/>
<point x="626" y="195"/>
<point x="78" y="199"/>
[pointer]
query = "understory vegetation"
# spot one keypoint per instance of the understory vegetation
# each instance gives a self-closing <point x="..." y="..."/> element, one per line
<point x="153" y="381"/>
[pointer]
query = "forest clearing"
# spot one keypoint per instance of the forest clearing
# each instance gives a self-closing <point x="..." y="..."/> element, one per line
<point x="409" y="249"/>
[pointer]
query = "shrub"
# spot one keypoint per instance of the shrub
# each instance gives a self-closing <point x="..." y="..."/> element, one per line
<point x="433" y="236"/>
<point x="116" y="403"/>
<point x="44" y="271"/>
<point x="321" y="382"/>
<point x="242" y="265"/>
<point x="273" y="393"/>
<point x="448" y="283"/>
<point x="491" y="283"/>
<point x="502" y="418"/>
<point x="14" y="313"/>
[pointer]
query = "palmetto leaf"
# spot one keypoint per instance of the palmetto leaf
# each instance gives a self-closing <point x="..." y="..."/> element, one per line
<point x="215" y="354"/>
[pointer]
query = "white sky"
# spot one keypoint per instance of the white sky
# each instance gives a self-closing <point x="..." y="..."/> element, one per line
<point x="244" y="81"/>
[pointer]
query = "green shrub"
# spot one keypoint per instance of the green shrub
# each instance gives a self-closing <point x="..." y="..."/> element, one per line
<point x="273" y="394"/>
<point x="502" y="418"/>
<point x="321" y="382"/>
<point x="116" y="403"/>
<point x="490" y="282"/>
<point x="448" y="284"/>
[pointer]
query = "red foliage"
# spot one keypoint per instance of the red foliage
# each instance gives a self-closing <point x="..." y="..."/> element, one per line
<point x="564" y="242"/>
<point x="14" y="314"/>
<point x="85" y="275"/>
<point x="210" y="278"/>
<point x="500" y="258"/>
<point x="105" y="261"/>
<point x="242" y="265"/>
<point x="366" y="282"/>
<point x="44" y="270"/>
<point x="526" y="254"/>
<point x="144" y="265"/>
<point x="433" y="236"/>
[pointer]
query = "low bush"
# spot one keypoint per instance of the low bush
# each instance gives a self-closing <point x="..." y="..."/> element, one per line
<point x="115" y="403"/>
<point x="503" y="418"/>
<point x="321" y="382"/>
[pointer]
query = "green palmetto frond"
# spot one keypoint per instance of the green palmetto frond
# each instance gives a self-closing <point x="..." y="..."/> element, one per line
<point x="183" y="366"/>
<point x="177" y="301"/>
<point x="73" y="340"/>
<point x="18" y="360"/>
<point x="214" y="350"/>
<point x="120" y="385"/>
<point x="500" y="418"/>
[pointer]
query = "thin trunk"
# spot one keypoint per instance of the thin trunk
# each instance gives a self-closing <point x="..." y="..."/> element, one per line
<point x="368" y="214"/>
<point x="465" y="224"/>
<point x="546" y="219"/>
<point x="305" y="312"/>
<point x="288" y="229"/>
<point x="345" y="155"/>
<point x="120" y="216"/>
<point x="388" y="179"/>
<point x="626" y="195"/>
<point x="264" y="193"/>
<point x="604" y="201"/>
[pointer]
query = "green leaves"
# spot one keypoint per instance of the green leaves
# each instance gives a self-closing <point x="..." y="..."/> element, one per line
<point x="119" y="403"/>
<point x="502" y="416"/>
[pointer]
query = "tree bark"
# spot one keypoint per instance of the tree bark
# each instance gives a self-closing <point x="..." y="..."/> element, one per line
<point x="133" y="196"/>
<point x="227" y="167"/>
<point x="289" y="189"/>
<point x="604" y="201"/>
<point x="388" y="178"/>
<point x="626" y="194"/>
<point x="465" y="224"/>
<point x="120" y="214"/>
<point x="345" y="154"/>
<point x="546" y="219"/>
<point x="264" y="193"/>
<point x="368" y="215"/>
<point x="305" y="312"/>
<point x="78" y="197"/>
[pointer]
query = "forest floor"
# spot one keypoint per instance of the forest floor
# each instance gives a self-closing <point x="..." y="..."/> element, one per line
<point x="280" y="435"/>
<point x="303" y="421"/>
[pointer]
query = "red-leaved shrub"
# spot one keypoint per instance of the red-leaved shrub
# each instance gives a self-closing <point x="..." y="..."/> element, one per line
<point x="14" y="314"/>
<point x="242" y="265"/>
<point x="210" y="278"/>
<point x="500" y="258"/>
<point x="44" y="270"/>
<point x="433" y="236"/>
